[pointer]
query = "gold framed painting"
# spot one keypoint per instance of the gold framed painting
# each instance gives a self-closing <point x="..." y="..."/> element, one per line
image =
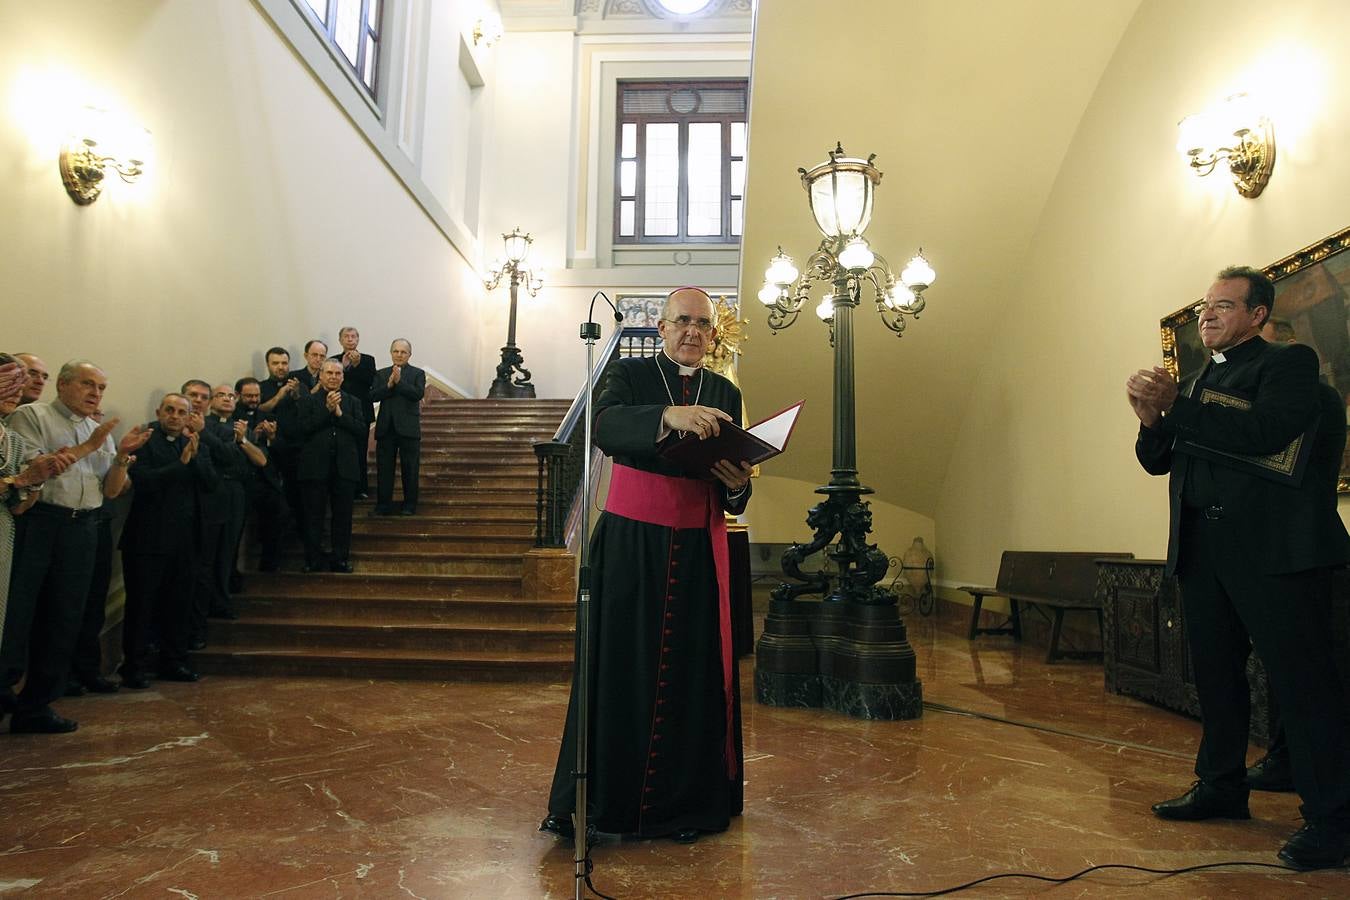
<point x="1312" y="295"/>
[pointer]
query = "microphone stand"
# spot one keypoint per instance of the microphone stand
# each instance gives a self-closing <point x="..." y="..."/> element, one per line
<point x="590" y="333"/>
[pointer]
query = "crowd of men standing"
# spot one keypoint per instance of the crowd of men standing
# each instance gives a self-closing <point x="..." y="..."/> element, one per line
<point x="285" y="451"/>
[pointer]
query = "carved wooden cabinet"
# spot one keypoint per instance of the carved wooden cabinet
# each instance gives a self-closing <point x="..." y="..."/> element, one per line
<point x="1144" y="642"/>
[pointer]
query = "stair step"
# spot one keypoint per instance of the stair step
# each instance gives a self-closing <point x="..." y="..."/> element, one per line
<point x="267" y="659"/>
<point x="395" y="560"/>
<point x="384" y="610"/>
<point x="386" y="584"/>
<point x="346" y="634"/>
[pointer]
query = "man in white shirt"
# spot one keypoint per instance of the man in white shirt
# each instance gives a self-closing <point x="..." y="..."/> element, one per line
<point x="56" y="540"/>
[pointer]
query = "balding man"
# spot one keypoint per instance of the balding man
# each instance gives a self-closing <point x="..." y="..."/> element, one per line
<point x="333" y="430"/>
<point x="665" y="717"/>
<point x="37" y="377"/>
<point x="57" y="539"/>
<point x="398" y="431"/>
<point x="159" y="544"/>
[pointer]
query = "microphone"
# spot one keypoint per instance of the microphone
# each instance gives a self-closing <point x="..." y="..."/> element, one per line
<point x="590" y="330"/>
<point x="590" y="315"/>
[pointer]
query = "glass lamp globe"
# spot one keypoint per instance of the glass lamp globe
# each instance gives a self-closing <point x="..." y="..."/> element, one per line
<point x="826" y="308"/>
<point x="768" y="295"/>
<point x="781" y="270"/>
<point x="898" y="297"/>
<point x="840" y="191"/>
<point x="517" y="246"/>
<point x="917" y="273"/>
<point x="856" y="255"/>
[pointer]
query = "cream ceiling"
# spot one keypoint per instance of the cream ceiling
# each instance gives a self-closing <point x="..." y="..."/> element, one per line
<point x="970" y="106"/>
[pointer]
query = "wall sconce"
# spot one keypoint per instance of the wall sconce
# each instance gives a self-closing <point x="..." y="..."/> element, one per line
<point x="487" y="31"/>
<point x="100" y="142"/>
<point x="1236" y="131"/>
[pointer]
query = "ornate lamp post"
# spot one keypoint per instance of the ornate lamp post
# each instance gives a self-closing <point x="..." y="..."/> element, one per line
<point x="866" y="667"/>
<point x="517" y="248"/>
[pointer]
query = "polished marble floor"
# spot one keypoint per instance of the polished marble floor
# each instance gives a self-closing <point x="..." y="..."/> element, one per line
<point x="307" y="788"/>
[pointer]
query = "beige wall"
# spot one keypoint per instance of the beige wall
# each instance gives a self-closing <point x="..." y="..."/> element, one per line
<point x="267" y="217"/>
<point x="777" y="515"/>
<point x="1044" y="459"/>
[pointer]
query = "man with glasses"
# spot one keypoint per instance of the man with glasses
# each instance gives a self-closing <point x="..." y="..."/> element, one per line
<point x="1253" y="555"/>
<point x="665" y="712"/>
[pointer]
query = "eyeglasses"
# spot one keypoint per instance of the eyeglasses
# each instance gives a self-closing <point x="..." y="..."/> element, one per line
<point x="1222" y="307"/>
<point x="703" y="325"/>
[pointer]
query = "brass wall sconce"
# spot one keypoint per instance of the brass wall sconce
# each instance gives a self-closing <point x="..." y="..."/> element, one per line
<point x="98" y="144"/>
<point x="1236" y="132"/>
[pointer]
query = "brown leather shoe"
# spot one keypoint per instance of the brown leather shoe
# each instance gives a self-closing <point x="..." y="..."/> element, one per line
<point x="1204" y="801"/>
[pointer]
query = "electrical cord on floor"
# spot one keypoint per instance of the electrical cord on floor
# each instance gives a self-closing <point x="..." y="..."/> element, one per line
<point x="1035" y="726"/>
<point x="1067" y="878"/>
<point x="953" y="710"/>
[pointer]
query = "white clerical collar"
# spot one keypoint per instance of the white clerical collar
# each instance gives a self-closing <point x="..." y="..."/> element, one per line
<point x="684" y="370"/>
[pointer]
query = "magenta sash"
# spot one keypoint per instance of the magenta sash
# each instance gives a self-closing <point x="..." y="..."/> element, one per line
<point x="684" y="503"/>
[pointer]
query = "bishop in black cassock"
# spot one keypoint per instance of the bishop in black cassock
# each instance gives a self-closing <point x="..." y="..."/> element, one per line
<point x="665" y="747"/>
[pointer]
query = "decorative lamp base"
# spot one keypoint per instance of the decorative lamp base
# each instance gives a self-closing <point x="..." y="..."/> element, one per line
<point x="852" y="658"/>
<point x="509" y="390"/>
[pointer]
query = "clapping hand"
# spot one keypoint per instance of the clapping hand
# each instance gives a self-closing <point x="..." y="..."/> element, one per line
<point x="396" y="376"/>
<point x="1151" y="393"/>
<point x="13" y="376"/>
<point x="266" y="430"/>
<point x="133" y="440"/>
<point x="196" y="422"/>
<point x="240" y="430"/>
<point x="48" y="465"/>
<point x="292" y="387"/>
<point x="97" y="437"/>
<point x="190" y="447"/>
<point x="351" y="358"/>
<point x="334" y="402"/>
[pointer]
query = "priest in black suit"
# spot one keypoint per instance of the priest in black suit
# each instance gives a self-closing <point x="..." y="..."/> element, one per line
<point x="358" y="376"/>
<point x="1253" y="559"/>
<point x="666" y="753"/>
<point x="398" y="430"/>
<point x="160" y="542"/>
<point x="332" y="428"/>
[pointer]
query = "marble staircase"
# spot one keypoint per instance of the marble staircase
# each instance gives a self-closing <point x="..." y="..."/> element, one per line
<point x="457" y="592"/>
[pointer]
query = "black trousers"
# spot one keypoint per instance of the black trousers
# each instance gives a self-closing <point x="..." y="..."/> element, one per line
<point x="287" y="462"/>
<point x="317" y="495"/>
<point x="363" y="455"/>
<point x="231" y="494"/>
<point x="1230" y="607"/>
<point x="53" y="564"/>
<point x="206" y="592"/>
<point x="268" y="511"/>
<point x="159" y="602"/>
<point x="409" y="452"/>
<point x="87" y="663"/>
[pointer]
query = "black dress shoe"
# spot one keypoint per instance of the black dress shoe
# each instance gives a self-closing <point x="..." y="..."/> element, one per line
<point x="559" y="826"/>
<point x="41" y="723"/>
<point x="135" y="682"/>
<point x="381" y="511"/>
<point x="1271" y="773"/>
<point x="178" y="673"/>
<point x="229" y="614"/>
<point x="685" y="836"/>
<point x="362" y="495"/>
<point x="1317" y="845"/>
<point x="1203" y="801"/>
<point x="309" y="568"/>
<point x="100" y="685"/>
<point x="342" y="567"/>
<point x="408" y="511"/>
<point x="197" y="644"/>
<point x="74" y="689"/>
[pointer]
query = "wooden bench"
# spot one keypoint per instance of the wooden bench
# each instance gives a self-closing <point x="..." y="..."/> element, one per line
<point x="1062" y="581"/>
